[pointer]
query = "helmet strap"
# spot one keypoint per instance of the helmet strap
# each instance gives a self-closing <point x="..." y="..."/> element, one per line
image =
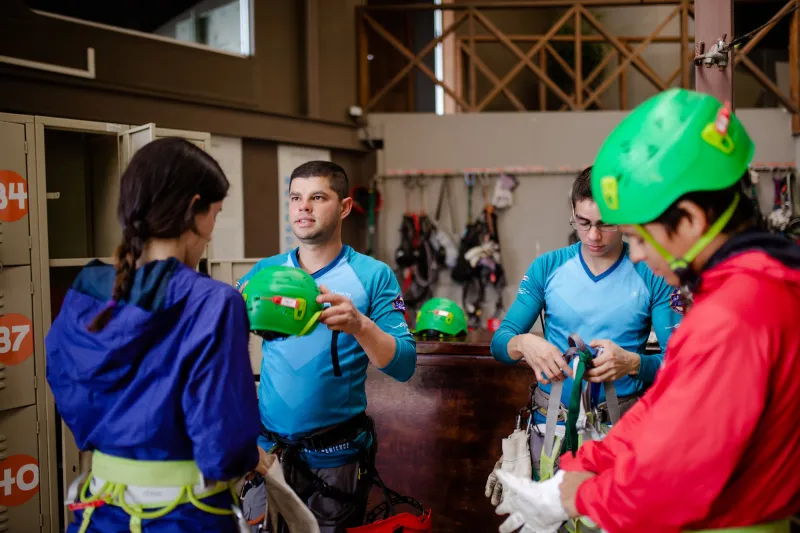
<point x="682" y="267"/>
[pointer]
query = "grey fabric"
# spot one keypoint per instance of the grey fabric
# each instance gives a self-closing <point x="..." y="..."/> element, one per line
<point x="612" y="401"/>
<point x="328" y="511"/>
<point x="553" y="410"/>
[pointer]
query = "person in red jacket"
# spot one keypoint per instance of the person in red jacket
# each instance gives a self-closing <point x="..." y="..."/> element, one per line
<point x="714" y="444"/>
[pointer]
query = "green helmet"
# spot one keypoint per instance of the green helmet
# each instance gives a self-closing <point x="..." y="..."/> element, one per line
<point x="282" y="301"/>
<point x="676" y="142"/>
<point x="441" y="317"/>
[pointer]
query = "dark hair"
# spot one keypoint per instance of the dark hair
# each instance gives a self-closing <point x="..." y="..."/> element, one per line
<point x="714" y="203"/>
<point x="155" y="201"/>
<point x="582" y="187"/>
<point x="337" y="178"/>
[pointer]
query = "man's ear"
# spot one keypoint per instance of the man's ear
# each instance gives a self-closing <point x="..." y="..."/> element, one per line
<point x="695" y="223"/>
<point x="347" y="206"/>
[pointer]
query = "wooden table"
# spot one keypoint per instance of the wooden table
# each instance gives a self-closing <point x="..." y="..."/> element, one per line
<point x="440" y="433"/>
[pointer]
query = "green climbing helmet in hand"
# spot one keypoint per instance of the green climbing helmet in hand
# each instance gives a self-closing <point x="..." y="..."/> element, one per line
<point x="441" y="317"/>
<point x="676" y="142"/>
<point x="282" y="301"/>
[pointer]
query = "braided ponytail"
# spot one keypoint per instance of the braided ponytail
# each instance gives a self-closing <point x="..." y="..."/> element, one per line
<point x="127" y="255"/>
<point x="157" y="200"/>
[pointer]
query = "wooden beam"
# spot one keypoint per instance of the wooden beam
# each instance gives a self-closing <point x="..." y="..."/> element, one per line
<point x="415" y="60"/>
<point x="517" y="4"/>
<point x="362" y="47"/>
<point x="767" y="83"/>
<point x="542" y="86"/>
<point x="637" y="62"/>
<point x="623" y="86"/>
<point x="785" y="10"/>
<point x="494" y="79"/>
<point x="312" y="58"/>
<point x="631" y="57"/>
<point x="525" y="59"/>
<point x="567" y="38"/>
<point x="578" y="62"/>
<point x="685" y="66"/>
<point x="794" y="67"/>
<point x="473" y="76"/>
<point x="713" y="20"/>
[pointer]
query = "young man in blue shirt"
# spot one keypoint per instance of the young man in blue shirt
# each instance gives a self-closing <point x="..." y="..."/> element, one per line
<point x="312" y="396"/>
<point x="593" y="289"/>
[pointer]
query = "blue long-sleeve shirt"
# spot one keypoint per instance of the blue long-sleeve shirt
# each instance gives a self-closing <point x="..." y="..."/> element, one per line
<point x="622" y="304"/>
<point x="299" y="392"/>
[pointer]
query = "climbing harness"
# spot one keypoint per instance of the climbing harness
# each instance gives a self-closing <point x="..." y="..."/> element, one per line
<point x="583" y="416"/>
<point x="415" y="256"/>
<point x="478" y="265"/>
<point x="145" y="490"/>
<point x="340" y="436"/>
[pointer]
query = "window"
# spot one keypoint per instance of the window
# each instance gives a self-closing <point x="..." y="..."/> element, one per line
<point x="220" y="25"/>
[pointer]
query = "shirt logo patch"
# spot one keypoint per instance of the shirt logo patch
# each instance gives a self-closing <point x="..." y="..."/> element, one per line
<point x="676" y="302"/>
<point x="399" y="303"/>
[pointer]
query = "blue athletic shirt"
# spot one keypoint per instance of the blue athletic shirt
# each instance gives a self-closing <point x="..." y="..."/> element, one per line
<point x="298" y="391"/>
<point x="622" y="304"/>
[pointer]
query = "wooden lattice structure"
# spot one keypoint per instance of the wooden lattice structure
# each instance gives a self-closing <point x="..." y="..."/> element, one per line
<point x="469" y="24"/>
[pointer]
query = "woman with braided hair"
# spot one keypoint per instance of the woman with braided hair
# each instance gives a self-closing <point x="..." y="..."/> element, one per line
<point x="148" y="360"/>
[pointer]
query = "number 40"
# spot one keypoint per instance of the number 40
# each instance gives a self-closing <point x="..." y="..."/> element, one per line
<point x="5" y="337"/>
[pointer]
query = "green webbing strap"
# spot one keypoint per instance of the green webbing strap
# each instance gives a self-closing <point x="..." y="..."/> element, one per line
<point x="145" y="473"/>
<point x="571" y="442"/>
<point x="781" y="526"/>
<point x="699" y="246"/>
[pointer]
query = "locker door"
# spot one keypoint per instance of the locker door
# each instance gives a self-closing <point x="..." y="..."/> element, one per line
<point x="14" y="229"/>
<point x="133" y="139"/>
<point x="19" y="471"/>
<point x="16" y="339"/>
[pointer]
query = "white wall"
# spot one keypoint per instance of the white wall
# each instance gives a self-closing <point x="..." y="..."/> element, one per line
<point x="228" y="238"/>
<point x="538" y="220"/>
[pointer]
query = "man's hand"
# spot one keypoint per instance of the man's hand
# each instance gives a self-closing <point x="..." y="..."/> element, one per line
<point x="265" y="461"/>
<point x="569" y="490"/>
<point x="613" y="363"/>
<point x="542" y="356"/>
<point x="342" y="315"/>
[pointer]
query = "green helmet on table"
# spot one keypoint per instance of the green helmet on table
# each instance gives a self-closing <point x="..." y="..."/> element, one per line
<point x="282" y="301"/>
<point x="677" y="142"/>
<point x="441" y="317"/>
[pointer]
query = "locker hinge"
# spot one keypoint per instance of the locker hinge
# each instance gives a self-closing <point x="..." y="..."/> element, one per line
<point x="37" y="427"/>
<point x="35" y="386"/>
<point x="26" y="147"/>
<point x="30" y="242"/>
<point x="32" y="288"/>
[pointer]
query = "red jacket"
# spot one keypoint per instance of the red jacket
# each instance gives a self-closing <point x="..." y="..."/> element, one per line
<point x="715" y="442"/>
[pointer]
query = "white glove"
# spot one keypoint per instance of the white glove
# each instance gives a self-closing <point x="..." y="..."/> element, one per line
<point x="537" y="506"/>
<point x="494" y="489"/>
<point x="516" y="460"/>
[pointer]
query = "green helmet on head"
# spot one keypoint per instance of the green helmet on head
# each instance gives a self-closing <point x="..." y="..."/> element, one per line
<point x="441" y="317"/>
<point x="677" y="142"/>
<point x="666" y="147"/>
<point x="282" y="301"/>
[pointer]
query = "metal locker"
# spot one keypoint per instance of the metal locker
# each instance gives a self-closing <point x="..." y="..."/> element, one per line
<point x="16" y="338"/>
<point x="19" y="471"/>
<point x="15" y="244"/>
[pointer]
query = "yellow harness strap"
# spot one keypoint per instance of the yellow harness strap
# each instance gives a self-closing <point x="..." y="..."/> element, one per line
<point x="781" y="526"/>
<point x="119" y="473"/>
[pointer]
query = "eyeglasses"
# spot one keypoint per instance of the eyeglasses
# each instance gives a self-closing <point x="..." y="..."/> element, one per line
<point x="586" y="226"/>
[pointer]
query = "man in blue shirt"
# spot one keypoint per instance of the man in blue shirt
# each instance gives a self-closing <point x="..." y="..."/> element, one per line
<point x="593" y="289"/>
<point x="312" y="396"/>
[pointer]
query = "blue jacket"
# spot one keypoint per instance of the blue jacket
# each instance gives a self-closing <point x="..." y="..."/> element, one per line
<point x="169" y="378"/>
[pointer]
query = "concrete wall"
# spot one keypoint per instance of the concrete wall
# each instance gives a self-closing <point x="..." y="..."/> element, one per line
<point x="538" y="220"/>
